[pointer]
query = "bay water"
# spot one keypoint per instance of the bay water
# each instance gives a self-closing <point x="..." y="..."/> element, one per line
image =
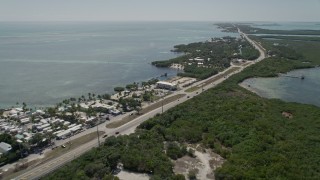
<point x="42" y="63"/>
<point x="291" y="87"/>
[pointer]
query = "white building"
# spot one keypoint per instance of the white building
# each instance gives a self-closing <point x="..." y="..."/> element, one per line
<point x="4" y="147"/>
<point x="115" y="112"/>
<point x="40" y="128"/>
<point x="166" y="85"/>
<point x="64" y="134"/>
<point x="25" y="121"/>
<point x="198" y="59"/>
<point x="66" y="123"/>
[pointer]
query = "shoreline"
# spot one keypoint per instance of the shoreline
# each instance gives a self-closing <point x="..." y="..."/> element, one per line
<point x="249" y="88"/>
<point x="45" y="106"/>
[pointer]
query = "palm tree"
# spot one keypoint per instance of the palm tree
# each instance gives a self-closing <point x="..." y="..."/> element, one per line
<point x="138" y="109"/>
<point x="24" y="105"/>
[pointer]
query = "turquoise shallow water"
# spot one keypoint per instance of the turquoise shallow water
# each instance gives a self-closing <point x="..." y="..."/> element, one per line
<point x="305" y="91"/>
<point x="44" y="63"/>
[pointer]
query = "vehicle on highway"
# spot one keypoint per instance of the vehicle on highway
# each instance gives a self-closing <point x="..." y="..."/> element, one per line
<point x="117" y="132"/>
<point x="104" y="136"/>
<point x="188" y="96"/>
<point x="63" y="146"/>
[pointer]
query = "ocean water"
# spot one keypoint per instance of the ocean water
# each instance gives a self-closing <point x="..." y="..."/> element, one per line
<point x="289" y="89"/>
<point x="42" y="63"/>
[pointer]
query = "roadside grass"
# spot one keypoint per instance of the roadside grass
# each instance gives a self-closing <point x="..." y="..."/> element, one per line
<point x="192" y="89"/>
<point x="25" y="166"/>
<point x="145" y="110"/>
<point x="247" y="63"/>
<point x="212" y="80"/>
<point x="72" y="145"/>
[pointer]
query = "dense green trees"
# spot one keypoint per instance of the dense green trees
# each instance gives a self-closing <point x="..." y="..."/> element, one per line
<point x="198" y="72"/>
<point x="15" y="153"/>
<point x="175" y="151"/>
<point x="129" y="104"/>
<point x="132" y="87"/>
<point x="119" y="89"/>
<point x="140" y="152"/>
<point x="216" y="56"/>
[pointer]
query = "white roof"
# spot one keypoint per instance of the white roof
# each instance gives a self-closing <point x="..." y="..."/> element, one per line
<point x="72" y="125"/>
<point x="83" y="105"/>
<point x="66" y="132"/>
<point x="198" y="59"/>
<point x="19" y="109"/>
<point x="27" y="134"/>
<point x="25" y="120"/>
<point x="40" y="111"/>
<point x="44" y="121"/>
<point x="46" y="129"/>
<point x="27" y="138"/>
<point x="4" y="147"/>
<point x="44" y="126"/>
<point x="165" y="83"/>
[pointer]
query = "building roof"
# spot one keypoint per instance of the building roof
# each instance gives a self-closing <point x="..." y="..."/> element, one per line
<point x="5" y="147"/>
<point x="165" y="83"/>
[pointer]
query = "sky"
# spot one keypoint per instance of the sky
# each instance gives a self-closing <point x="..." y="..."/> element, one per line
<point x="160" y="10"/>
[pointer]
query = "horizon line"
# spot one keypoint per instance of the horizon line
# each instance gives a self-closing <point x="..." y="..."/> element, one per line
<point x="213" y="21"/>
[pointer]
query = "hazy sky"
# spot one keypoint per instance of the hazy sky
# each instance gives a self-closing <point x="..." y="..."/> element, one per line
<point x="159" y="10"/>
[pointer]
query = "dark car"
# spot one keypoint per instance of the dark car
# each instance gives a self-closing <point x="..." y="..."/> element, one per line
<point x="104" y="136"/>
<point x="117" y="132"/>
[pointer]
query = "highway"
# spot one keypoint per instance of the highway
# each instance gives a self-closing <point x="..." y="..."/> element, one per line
<point x="51" y="165"/>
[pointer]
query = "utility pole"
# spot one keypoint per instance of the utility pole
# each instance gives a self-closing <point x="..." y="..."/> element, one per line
<point x="69" y="141"/>
<point x="98" y="136"/>
<point x="19" y="142"/>
<point x="162" y="105"/>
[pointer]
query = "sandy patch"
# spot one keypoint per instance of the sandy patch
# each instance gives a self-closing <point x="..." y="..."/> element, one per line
<point x="177" y="66"/>
<point x="126" y="175"/>
<point x="204" y="163"/>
